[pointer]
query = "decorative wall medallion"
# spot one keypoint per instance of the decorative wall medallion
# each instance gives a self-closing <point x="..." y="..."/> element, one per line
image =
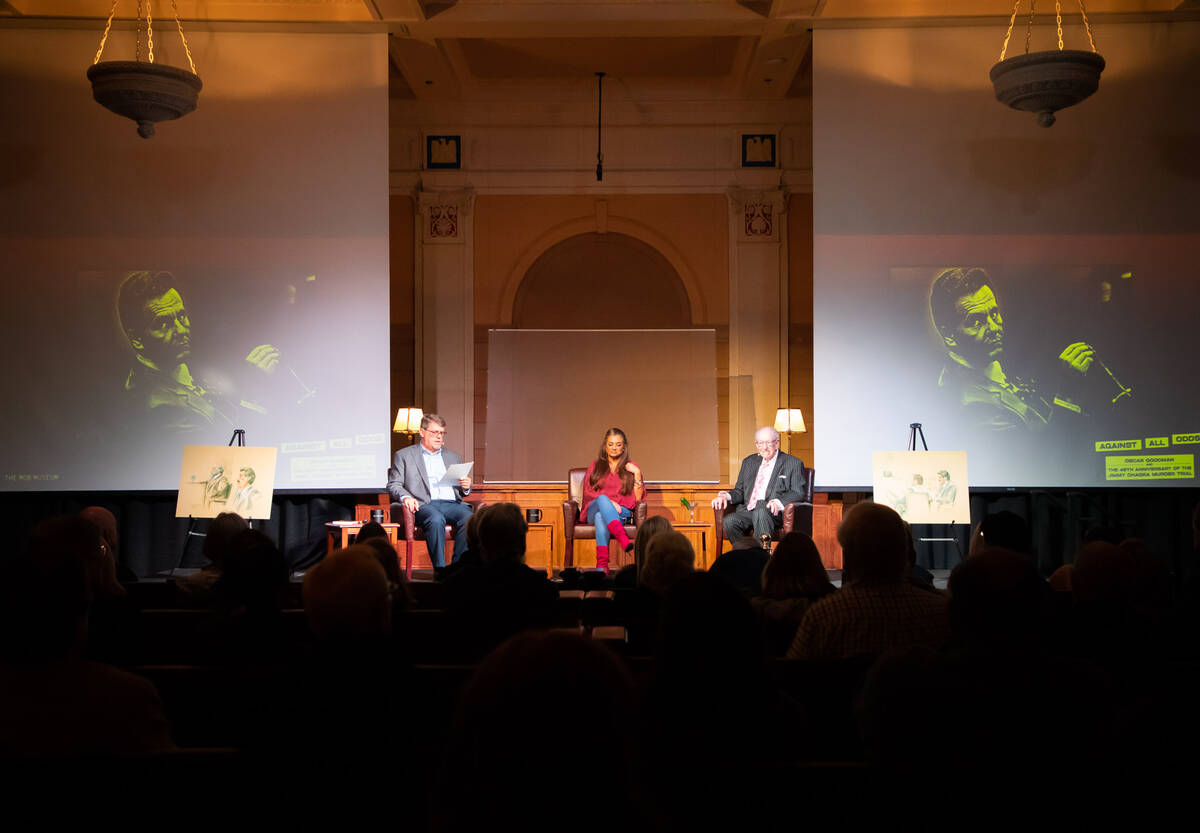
<point x="758" y="150"/>
<point x="443" y="152"/>
<point x="443" y="221"/>
<point x="758" y="219"/>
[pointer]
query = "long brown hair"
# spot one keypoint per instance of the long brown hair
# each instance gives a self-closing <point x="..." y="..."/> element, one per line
<point x="601" y="467"/>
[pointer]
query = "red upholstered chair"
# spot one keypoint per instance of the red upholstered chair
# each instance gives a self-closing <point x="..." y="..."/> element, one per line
<point x="412" y="532"/>
<point x="573" y="525"/>
<point x="797" y="517"/>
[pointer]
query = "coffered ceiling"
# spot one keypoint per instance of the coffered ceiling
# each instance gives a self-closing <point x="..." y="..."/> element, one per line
<point x="451" y="49"/>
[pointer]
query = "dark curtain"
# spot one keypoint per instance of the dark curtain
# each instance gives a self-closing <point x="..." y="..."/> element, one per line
<point x="152" y="538"/>
<point x="1058" y="519"/>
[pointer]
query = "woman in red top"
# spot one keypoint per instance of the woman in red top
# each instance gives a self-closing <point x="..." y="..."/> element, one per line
<point x="611" y="488"/>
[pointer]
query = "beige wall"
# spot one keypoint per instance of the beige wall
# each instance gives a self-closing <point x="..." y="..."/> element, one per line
<point x="403" y="317"/>
<point x="800" y="320"/>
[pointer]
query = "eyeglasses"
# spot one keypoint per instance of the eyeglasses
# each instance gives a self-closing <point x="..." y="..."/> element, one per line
<point x="765" y="443"/>
<point x="433" y="433"/>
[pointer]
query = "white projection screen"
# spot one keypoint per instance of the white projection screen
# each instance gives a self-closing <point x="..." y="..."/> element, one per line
<point x="553" y="393"/>
<point x="1027" y="294"/>
<point x="229" y="272"/>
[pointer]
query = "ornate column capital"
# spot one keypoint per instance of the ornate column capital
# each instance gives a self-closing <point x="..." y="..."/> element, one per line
<point x="757" y="213"/>
<point x="443" y="214"/>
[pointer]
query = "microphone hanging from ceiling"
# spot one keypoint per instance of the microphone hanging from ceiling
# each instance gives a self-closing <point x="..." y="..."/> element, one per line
<point x="599" y="126"/>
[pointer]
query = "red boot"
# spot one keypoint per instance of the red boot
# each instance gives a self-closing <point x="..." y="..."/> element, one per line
<point x="618" y="532"/>
<point x="602" y="557"/>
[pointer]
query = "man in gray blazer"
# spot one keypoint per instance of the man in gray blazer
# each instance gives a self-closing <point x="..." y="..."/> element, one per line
<point x="769" y="480"/>
<point x="413" y="483"/>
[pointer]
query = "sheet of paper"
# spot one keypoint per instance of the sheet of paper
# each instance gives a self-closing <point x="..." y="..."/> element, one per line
<point x="456" y="473"/>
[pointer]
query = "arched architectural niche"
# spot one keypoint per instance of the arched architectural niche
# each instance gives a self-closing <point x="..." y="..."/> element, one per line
<point x="616" y="225"/>
<point x="596" y="280"/>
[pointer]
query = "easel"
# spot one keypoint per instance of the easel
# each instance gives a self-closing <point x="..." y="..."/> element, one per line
<point x="915" y="431"/>
<point x="239" y="437"/>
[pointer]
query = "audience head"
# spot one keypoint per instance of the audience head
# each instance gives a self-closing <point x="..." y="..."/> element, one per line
<point x="996" y="600"/>
<point x="500" y="734"/>
<point x="745" y="542"/>
<point x="910" y="546"/>
<point x="1103" y="574"/>
<point x="669" y="558"/>
<point x="1006" y="530"/>
<point x="645" y="532"/>
<point x="1060" y="579"/>
<point x="708" y="627"/>
<point x="346" y="595"/>
<point x="102" y="571"/>
<point x="1151" y="588"/>
<point x="742" y="566"/>
<point x="107" y="524"/>
<point x="795" y="569"/>
<point x="502" y="534"/>
<point x="255" y="574"/>
<point x="370" y="530"/>
<point x="49" y="589"/>
<point x="473" y="544"/>
<point x="1107" y="534"/>
<point x="385" y="554"/>
<point x="873" y="545"/>
<point x="223" y="529"/>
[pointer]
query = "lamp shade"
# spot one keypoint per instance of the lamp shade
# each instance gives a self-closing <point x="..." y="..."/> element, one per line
<point x="789" y="421"/>
<point x="408" y="421"/>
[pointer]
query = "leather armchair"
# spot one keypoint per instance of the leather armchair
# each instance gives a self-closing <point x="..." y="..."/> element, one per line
<point x="575" y="527"/>
<point x="797" y="516"/>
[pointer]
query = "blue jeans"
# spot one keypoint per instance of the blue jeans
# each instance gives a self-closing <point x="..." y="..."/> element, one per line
<point x="433" y="517"/>
<point x="608" y="512"/>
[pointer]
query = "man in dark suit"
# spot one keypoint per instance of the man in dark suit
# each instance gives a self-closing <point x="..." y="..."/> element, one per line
<point x="769" y="480"/>
<point x="414" y="482"/>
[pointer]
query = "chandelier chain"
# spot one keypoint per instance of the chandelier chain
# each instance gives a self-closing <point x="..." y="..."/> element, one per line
<point x="186" y="48"/>
<point x="104" y="37"/>
<point x="1087" y="27"/>
<point x="1029" y="26"/>
<point x="137" y="34"/>
<point x="1011" y="22"/>
<point x="1058" y="16"/>
<point x="150" y="29"/>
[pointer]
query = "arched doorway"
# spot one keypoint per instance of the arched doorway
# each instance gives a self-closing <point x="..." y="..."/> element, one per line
<point x="601" y="281"/>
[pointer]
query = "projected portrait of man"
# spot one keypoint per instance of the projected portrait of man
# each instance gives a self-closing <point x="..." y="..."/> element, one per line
<point x="967" y="315"/>
<point x="154" y="318"/>
<point x="246" y="498"/>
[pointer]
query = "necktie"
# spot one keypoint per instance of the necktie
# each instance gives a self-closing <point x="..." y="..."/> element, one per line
<point x="760" y="484"/>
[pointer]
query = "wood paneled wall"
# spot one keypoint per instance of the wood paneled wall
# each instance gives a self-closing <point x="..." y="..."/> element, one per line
<point x="546" y="541"/>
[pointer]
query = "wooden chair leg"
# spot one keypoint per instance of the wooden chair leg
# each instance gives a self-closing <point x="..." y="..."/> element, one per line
<point x="408" y="558"/>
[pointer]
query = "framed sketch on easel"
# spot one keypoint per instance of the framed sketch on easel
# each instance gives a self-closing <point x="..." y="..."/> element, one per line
<point x="221" y="478"/>
<point x="925" y="487"/>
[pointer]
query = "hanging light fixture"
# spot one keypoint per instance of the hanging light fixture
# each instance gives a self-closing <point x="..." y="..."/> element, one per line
<point x="143" y="90"/>
<point x="1048" y="81"/>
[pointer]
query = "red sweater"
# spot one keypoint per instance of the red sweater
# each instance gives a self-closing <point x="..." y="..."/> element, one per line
<point x="610" y="486"/>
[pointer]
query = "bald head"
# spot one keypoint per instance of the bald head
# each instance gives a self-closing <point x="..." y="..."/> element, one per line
<point x="874" y="548"/>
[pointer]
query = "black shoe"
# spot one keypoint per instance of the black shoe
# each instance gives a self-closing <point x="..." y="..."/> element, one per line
<point x="629" y="547"/>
